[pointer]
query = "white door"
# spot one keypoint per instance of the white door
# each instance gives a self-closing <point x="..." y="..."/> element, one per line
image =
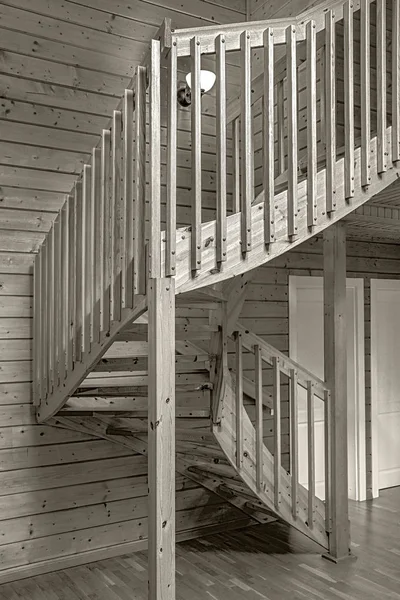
<point x="385" y="383"/>
<point x="306" y="346"/>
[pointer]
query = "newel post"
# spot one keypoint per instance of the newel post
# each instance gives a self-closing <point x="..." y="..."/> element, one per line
<point x="335" y="344"/>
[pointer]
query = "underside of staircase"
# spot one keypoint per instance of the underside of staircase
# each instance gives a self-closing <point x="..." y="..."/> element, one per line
<point x="137" y="338"/>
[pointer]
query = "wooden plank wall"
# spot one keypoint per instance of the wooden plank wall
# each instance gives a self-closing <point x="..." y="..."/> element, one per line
<point x="266" y="309"/>
<point x="66" y="497"/>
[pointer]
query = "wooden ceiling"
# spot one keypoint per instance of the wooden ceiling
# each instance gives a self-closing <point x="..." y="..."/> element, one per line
<point x="63" y="67"/>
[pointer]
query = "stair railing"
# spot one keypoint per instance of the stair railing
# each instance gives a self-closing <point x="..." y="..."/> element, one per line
<point x="268" y="363"/>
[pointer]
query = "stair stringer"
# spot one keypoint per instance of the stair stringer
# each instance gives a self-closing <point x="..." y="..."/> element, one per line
<point x="225" y="434"/>
<point x="210" y="272"/>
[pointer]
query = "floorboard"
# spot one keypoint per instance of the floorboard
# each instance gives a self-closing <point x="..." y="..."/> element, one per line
<point x="272" y="562"/>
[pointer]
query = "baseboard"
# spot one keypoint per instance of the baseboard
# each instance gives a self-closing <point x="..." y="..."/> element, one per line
<point x="83" y="558"/>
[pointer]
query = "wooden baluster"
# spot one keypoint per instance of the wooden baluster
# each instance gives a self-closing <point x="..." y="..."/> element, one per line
<point x="330" y="111"/>
<point x="44" y="306"/>
<point x="246" y="143"/>
<point x="195" y="54"/>
<point x="277" y="430"/>
<point x="79" y="261"/>
<point x="63" y="309"/>
<point x="72" y="282"/>
<point x="87" y="259"/>
<point x="328" y="464"/>
<point x="127" y="224"/>
<point x="311" y="454"/>
<point x="259" y="418"/>
<point x="116" y="217"/>
<point x="50" y="308"/>
<point x="105" y="250"/>
<point x="381" y="84"/>
<point x="365" y="93"/>
<point x="291" y="68"/>
<point x="294" y="443"/>
<point x="37" y="339"/>
<point x="348" y="99"/>
<point x="95" y="244"/>
<point x="155" y="162"/>
<point x="396" y="80"/>
<point x="239" y="401"/>
<point x="236" y="165"/>
<point x="269" y="137"/>
<point x="170" y="256"/>
<point x="280" y="111"/>
<point x="311" y="73"/>
<point x="57" y="300"/>
<point x="221" y="225"/>
<point x="139" y="215"/>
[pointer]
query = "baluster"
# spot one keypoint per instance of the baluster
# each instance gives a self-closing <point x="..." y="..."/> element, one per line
<point x="195" y="54"/>
<point x="277" y="430"/>
<point x="63" y="308"/>
<point x="155" y="163"/>
<point x="348" y="99"/>
<point x="44" y="306"/>
<point x="294" y="444"/>
<point x="116" y="217"/>
<point x="79" y="261"/>
<point x="311" y="42"/>
<point x="72" y="282"/>
<point x="291" y="68"/>
<point x="170" y="256"/>
<point x="37" y="313"/>
<point x="105" y="250"/>
<point x="381" y="84"/>
<point x="311" y="453"/>
<point x="246" y="142"/>
<point x="259" y="418"/>
<point x="269" y="137"/>
<point x="328" y="463"/>
<point x="221" y="225"/>
<point x="396" y="81"/>
<point x="239" y="401"/>
<point x="139" y="214"/>
<point x="236" y="165"/>
<point x="365" y="93"/>
<point x="50" y="308"/>
<point x="127" y="224"/>
<point x="330" y="111"/>
<point x="57" y="301"/>
<point x="95" y="244"/>
<point x="87" y="260"/>
<point x="280" y="112"/>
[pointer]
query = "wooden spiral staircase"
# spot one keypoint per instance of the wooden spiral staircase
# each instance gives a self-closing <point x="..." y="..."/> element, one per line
<point x="118" y="287"/>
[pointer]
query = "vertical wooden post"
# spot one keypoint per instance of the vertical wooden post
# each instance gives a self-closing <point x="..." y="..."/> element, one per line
<point x="277" y="430"/>
<point x="155" y="162"/>
<point x="246" y="141"/>
<point x="221" y="149"/>
<point x="139" y="212"/>
<point x="330" y="110"/>
<point x="161" y="444"/>
<point x="335" y="343"/>
<point x="239" y="402"/>
<point x="291" y="68"/>
<point x="311" y="43"/>
<point x="348" y="99"/>
<point x="236" y="165"/>
<point x="170" y="251"/>
<point x="195" y="57"/>
<point x="127" y="252"/>
<point x="269" y="137"/>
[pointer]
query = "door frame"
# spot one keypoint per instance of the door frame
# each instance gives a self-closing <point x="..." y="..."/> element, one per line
<point x="359" y="376"/>
<point x="376" y="285"/>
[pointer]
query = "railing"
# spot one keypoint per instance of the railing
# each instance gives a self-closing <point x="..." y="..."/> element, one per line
<point x="291" y="390"/>
<point x="92" y="262"/>
<point x="313" y="79"/>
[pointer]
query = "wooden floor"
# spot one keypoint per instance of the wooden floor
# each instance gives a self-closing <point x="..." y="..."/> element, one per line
<point x="269" y="562"/>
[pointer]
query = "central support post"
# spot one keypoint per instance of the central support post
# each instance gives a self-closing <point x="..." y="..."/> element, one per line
<point x="161" y="444"/>
<point x="335" y="345"/>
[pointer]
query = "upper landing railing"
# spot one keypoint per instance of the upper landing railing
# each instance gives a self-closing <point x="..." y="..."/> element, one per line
<point x="328" y="82"/>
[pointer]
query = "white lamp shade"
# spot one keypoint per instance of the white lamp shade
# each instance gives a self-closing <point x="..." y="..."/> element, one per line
<point x="207" y="80"/>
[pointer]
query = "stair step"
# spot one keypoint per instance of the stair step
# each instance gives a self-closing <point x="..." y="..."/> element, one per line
<point x="183" y="364"/>
<point x="138" y="332"/>
<point x="135" y="406"/>
<point x="126" y="378"/>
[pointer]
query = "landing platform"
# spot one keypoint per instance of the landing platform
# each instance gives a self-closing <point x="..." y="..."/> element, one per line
<point x="272" y="562"/>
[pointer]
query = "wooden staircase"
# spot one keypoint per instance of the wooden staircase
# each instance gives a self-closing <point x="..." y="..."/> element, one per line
<point x="105" y="282"/>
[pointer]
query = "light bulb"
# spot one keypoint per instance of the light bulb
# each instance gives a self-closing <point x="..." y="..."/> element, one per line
<point x="207" y="80"/>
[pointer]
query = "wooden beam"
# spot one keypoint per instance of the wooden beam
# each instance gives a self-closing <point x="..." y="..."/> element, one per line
<point x="161" y="431"/>
<point x="335" y="343"/>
